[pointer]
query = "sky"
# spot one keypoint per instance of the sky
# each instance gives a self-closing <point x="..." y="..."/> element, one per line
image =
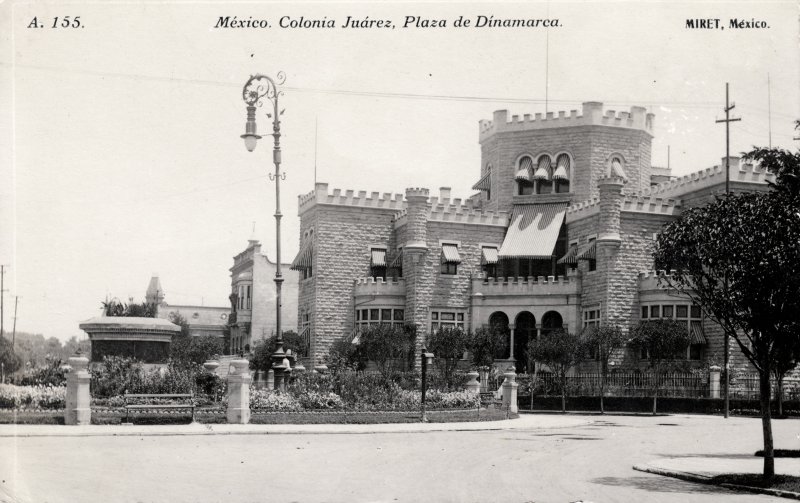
<point x="122" y="156"/>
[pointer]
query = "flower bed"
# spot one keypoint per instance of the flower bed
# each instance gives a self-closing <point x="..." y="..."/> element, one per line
<point x="32" y="397"/>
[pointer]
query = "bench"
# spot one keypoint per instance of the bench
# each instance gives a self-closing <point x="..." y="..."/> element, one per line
<point x="188" y="402"/>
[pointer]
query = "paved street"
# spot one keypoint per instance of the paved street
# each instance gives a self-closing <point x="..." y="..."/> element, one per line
<point x="536" y="460"/>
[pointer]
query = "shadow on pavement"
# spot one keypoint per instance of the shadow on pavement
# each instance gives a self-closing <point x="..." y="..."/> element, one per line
<point x="709" y="455"/>
<point x="660" y="484"/>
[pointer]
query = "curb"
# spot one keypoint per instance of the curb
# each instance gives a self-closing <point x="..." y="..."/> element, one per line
<point x="703" y="479"/>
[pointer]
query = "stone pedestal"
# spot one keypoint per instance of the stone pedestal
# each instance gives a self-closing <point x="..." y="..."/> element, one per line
<point x="260" y="382"/>
<point x="78" y="401"/>
<point x="510" y="391"/>
<point x="713" y="381"/>
<point x="270" y="379"/>
<point x="239" y="393"/>
<point x="473" y="386"/>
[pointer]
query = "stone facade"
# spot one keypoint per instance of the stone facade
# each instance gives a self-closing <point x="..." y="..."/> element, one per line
<point x="586" y="194"/>
<point x="252" y="312"/>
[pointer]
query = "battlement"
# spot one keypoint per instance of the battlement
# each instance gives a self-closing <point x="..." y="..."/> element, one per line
<point x="375" y="200"/>
<point x="649" y="280"/>
<point x="542" y="285"/>
<point x="630" y="204"/>
<point x="417" y="192"/>
<point x="592" y="115"/>
<point x="743" y="173"/>
<point x="371" y="286"/>
<point x="457" y="212"/>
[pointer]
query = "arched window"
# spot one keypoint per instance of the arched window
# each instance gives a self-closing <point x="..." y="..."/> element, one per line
<point x="498" y="322"/>
<point x="524" y="332"/>
<point x="562" y="174"/>
<point x="543" y="177"/>
<point x="551" y="321"/>
<point x="523" y="176"/>
<point x="616" y="167"/>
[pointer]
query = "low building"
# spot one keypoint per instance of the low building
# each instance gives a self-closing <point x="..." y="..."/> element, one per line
<point x="559" y="235"/>
<point x="202" y="320"/>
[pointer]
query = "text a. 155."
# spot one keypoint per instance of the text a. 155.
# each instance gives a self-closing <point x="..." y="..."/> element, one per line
<point x="57" y="22"/>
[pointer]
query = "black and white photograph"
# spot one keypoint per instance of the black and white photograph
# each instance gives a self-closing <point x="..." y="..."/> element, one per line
<point x="430" y="251"/>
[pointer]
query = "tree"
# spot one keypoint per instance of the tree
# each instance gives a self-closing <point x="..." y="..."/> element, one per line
<point x="560" y="351"/>
<point x="662" y="343"/>
<point x="389" y="346"/>
<point x="603" y="341"/>
<point x="484" y="344"/>
<point x="739" y="259"/>
<point x="264" y="348"/>
<point x="8" y="357"/>
<point x="448" y="344"/>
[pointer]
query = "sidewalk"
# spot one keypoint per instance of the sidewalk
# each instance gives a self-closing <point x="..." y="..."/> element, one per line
<point x="523" y="422"/>
<point x="702" y="469"/>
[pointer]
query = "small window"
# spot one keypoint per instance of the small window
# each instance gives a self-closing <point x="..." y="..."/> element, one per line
<point x="434" y="315"/>
<point x="682" y="311"/>
<point x="450" y="259"/>
<point x="667" y="311"/>
<point x="655" y="311"/>
<point x="373" y="315"/>
<point x="645" y="312"/>
<point x="386" y="314"/>
<point x="695" y="311"/>
<point x="378" y="263"/>
<point x="398" y="315"/>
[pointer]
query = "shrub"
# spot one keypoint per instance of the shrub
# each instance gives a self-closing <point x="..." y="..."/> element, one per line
<point x="52" y="373"/>
<point x="310" y="400"/>
<point x="273" y="401"/>
<point x="32" y="397"/>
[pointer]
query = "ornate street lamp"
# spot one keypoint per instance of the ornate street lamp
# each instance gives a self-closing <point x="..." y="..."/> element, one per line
<point x="257" y="90"/>
<point x="427" y="360"/>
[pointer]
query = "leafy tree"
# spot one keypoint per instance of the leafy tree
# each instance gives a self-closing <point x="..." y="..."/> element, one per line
<point x="603" y="342"/>
<point x="391" y="347"/>
<point x="448" y="345"/>
<point x="263" y="349"/>
<point x="560" y="351"/>
<point x="484" y="344"/>
<point x="662" y="343"/>
<point x="739" y="259"/>
<point x="8" y="357"/>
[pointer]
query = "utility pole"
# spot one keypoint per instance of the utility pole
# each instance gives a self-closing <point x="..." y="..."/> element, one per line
<point x="2" y="297"/>
<point x="727" y="120"/>
<point x="14" y="332"/>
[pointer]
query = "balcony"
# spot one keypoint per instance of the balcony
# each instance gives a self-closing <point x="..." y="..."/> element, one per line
<point x="529" y="286"/>
<point x="379" y="287"/>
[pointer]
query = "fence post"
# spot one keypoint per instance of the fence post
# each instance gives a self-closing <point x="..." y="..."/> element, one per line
<point x="78" y="401"/>
<point x="713" y="381"/>
<point x="473" y="386"/>
<point x="510" y="391"/>
<point x="239" y="393"/>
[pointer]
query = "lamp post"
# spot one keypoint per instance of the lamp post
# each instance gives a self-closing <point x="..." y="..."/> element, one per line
<point x="257" y="90"/>
<point x="427" y="359"/>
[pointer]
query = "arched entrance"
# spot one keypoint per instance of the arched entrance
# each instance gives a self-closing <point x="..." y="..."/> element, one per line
<point x="498" y="322"/>
<point x="524" y="332"/>
<point x="551" y="321"/>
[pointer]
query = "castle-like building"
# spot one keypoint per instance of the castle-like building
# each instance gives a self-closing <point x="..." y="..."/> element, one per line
<point x="559" y="235"/>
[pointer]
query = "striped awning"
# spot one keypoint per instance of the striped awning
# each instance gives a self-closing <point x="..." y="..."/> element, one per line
<point x="397" y="261"/>
<point x="544" y="170"/>
<point x="523" y="175"/>
<point x="562" y="168"/>
<point x="696" y="333"/>
<point x="488" y="255"/>
<point x="588" y="251"/>
<point x="379" y="257"/>
<point x="533" y="231"/>
<point x="484" y="183"/>
<point x="450" y="254"/>
<point x="571" y="257"/>
<point x="616" y="168"/>
<point x="303" y="258"/>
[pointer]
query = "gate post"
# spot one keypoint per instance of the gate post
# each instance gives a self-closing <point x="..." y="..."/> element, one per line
<point x="239" y="393"/>
<point x="510" y="391"/>
<point x="473" y="386"/>
<point x="713" y="381"/>
<point x="78" y="400"/>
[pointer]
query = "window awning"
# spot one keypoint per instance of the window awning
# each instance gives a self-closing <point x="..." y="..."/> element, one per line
<point x="397" y="262"/>
<point x="696" y="333"/>
<point x="378" y="257"/>
<point x="450" y="254"/>
<point x="533" y="231"/>
<point x="488" y="255"/>
<point x="484" y="183"/>
<point x="303" y="258"/>
<point x="588" y="251"/>
<point x="571" y="257"/>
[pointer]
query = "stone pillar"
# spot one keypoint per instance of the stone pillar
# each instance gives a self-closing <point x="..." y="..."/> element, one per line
<point x="713" y="381"/>
<point x="270" y="379"/>
<point x="259" y="380"/>
<point x="415" y="251"/>
<point x="78" y="400"/>
<point x="473" y="386"/>
<point x="510" y="391"/>
<point x="511" y="328"/>
<point x="239" y="393"/>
